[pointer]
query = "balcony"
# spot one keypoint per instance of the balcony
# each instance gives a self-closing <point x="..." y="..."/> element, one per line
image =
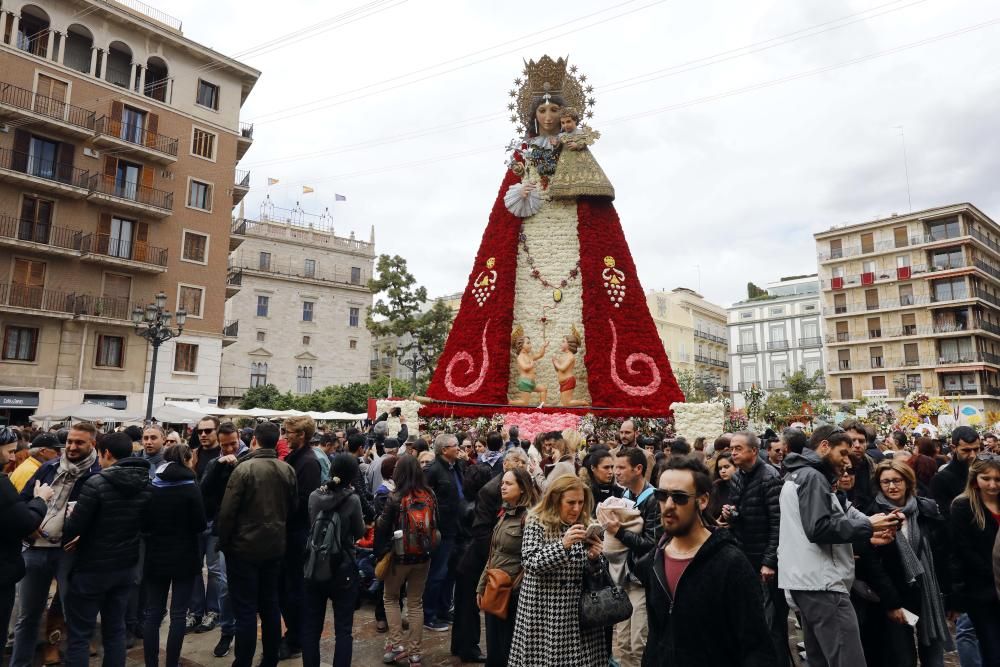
<point x="131" y="197"/>
<point x="244" y="140"/>
<point x="718" y="363"/>
<point x="812" y="341"/>
<point x="985" y="240"/>
<point x="232" y="392"/>
<point x="746" y="348"/>
<point x="986" y="296"/>
<point x="241" y="187"/>
<point x="987" y="268"/>
<point x="883" y="304"/>
<point x="230" y="332"/>
<point x="29" y="236"/>
<point x="708" y="336"/>
<point x="53" y="114"/>
<point x="234" y="280"/>
<point x="285" y="270"/>
<point x="54" y="177"/>
<point x="124" y="253"/>
<point x="777" y="345"/>
<point x="237" y="233"/>
<point x="856" y="250"/>
<point x="745" y="386"/>
<point x="66" y="305"/>
<point x="776" y="384"/>
<point x="114" y="133"/>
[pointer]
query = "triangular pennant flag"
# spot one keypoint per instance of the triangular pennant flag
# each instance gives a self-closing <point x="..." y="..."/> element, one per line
<point x="339" y="198"/>
<point x="306" y="189"/>
<point x="272" y="181"/>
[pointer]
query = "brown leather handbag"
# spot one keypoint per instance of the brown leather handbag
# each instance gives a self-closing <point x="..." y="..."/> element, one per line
<point x="499" y="586"/>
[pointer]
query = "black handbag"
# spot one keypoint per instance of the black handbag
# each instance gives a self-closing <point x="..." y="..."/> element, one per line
<point x="602" y="604"/>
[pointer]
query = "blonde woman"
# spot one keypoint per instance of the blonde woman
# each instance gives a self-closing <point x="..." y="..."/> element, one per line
<point x="974" y="518"/>
<point x="564" y="451"/>
<point x="555" y="553"/>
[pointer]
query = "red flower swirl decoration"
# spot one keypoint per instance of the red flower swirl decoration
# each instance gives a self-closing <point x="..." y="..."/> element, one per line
<point x="465" y="357"/>
<point x="632" y="390"/>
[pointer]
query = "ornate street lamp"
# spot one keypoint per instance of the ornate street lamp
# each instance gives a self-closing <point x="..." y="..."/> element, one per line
<point x="414" y="363"/>
<point x="153" y="324"/>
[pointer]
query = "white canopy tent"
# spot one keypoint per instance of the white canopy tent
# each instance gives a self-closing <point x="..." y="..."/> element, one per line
<point x="86" y="412"/>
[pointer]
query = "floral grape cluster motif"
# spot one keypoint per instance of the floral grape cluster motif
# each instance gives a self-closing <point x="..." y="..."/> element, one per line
<point x="697" y="420"/>
<point x="614" y="281"/>
<point x="485" y="282"/>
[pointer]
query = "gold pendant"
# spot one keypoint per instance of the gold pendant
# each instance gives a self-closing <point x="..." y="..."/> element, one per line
<point x="557" y="295"/>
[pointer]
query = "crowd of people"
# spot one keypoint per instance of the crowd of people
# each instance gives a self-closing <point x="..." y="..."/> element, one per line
<point x="884" y="553"/>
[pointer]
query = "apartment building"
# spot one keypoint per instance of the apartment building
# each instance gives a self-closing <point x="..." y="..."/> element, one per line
<point x="119" y="139"/>
<point x="913" y="302"/>
<point x="775" y="334"/>
<point x="299" y="298"/>
<point x="693" y="332"/>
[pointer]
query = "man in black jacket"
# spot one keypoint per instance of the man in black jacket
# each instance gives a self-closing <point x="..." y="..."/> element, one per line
<point x="717" y="589"/>
<point x="298" y="432"/>
<point x="630" y="469"/>
<point x="754" y="517"/>
<point x="444" y="477"/>
<point x="103" y="531"/>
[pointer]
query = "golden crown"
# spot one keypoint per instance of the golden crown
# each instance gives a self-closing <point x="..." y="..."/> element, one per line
<point x="548" y="77"/>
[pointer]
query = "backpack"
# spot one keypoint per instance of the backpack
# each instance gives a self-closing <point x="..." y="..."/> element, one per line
<point x="325" y="549"/>
<point x="418" y="521"/>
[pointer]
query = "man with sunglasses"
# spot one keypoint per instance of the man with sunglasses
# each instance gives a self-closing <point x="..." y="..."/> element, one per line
<point x="815" y="556"/>
<point x="697" y="581"/>
<point x="206" y="601"/>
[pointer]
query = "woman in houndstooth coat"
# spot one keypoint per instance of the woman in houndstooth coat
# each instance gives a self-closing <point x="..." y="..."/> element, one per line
<point x="555" y="553"/>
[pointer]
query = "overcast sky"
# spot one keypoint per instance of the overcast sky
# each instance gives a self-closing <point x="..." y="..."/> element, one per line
<point x="728" y="163"/>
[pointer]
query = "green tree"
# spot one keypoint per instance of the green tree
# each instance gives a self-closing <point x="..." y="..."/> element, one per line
<point x="430" y="334"/>
<point x="266" y="396"/>
<point x="799" y="388"/>
<point x="398" y="299"/>
<point x="698" y="386"/>
<point x="754" y="292"/>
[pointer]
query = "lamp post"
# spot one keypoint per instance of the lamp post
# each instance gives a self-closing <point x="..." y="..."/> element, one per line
<point x="414" y="363"/>
<point x="153" y="324"/>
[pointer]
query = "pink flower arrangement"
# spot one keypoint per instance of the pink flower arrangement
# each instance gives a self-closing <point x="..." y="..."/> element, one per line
<point x="529" y="424"/>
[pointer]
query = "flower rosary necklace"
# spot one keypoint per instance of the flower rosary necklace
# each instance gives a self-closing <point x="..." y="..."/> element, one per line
<point x="557" y="294"/>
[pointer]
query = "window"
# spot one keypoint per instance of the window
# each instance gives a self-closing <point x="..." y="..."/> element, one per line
<point x="185" y="358"/>
<point x="309" y="270"/>
<point x="200" y="195"/>
<point x="36" y="219"/>
<point x="777" y="310"/>
<point x="844" y="360"/>
<point x="955" y="350"/>
<point x="110" y="351"/>
<point x="868" y="242"/>
<point x="258" y="374"/>
<point x="946" y="290"/>
<point x="838" y="272"/>
<point x="116" y="296"/>
<point x="746" y="315"/>
<point x="20" y="343"/>
<point x="874" y="327"/>
<point x="133" y="127"/>
<point x="195" y="247"/>
<point x="661" y="306"/>
<point x="811" y="366"/>
<point x="839" y="303"/>
<point x="900" y="237"/>
<point x="208" y="95"/>
<point x="354" y="317"/>
<point x="943" y="229"/>
<point x="261" y="335"/>
<point x="355" y="275"/>
<point x="909" y="324"/>
<point x="947" y="259"/>
<point x="871" y="299"/>
<point x="875" y="355"/>
<point x="836" y="249"/>
<point x="868" y="266"/>
<point x="190" y="299"/>
<point x="262" y="303"/>
<point x="120" y="239"/>
<point x="305" y="340"/>
<point x="749" y="373"/>
<point x="906" y="295"/>
<point x="42" y="157"/>
<point x="203" y="144"/>
<point x="810" y="329"/>
<point x="846" y="389"/>
<point x="265" y="261"/>
<point x="777" y="334"/>
<point x="914" y="382"/>
<point x="307" y="311"/>
<point x="352" y="344"/>
<point x="878" y="382"/>
<point x="911" y="355"/>
<point x="27" y="284"/>
<point x="843" y="332"/>
<point x="809" y="307"/>
<point x="304" y="379"/>
<point x="127" y="180"/>
<point x="902" y="261"/>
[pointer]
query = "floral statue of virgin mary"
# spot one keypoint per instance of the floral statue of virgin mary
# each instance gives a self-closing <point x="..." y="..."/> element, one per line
<point x="553" y="314"/>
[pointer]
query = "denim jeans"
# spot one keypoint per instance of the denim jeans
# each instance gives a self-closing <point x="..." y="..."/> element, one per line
<point x="343" y="599"/>
<point x="42" y="565"/>
<point x="156" y="607"/>
<point x="437" y="596"/>
<point x="968" y="645"/>
<point x="89" y="594"/>
<point x="254" y="589"/>
<point x="212" y="598"/>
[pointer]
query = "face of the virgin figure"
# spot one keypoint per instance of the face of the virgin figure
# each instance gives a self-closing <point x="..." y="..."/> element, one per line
<point x="547" y="116"/>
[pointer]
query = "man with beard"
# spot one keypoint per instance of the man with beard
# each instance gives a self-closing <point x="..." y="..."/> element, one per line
<point x="684" y="612"/>
<point x="815" y="556"/>
<point x="44" y="559"/>
<point x="206" y="601"/>
<point x="863" y="493"/>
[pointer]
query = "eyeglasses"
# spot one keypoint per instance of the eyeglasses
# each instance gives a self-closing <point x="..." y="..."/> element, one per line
<point x="892" y="482"/>
<point x="204" y="430"/>
<point x="849" y="472"/>
<point x="679" y="497"/>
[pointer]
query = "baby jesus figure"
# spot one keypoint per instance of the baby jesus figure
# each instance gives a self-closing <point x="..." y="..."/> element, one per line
<point x="577" y="172"/>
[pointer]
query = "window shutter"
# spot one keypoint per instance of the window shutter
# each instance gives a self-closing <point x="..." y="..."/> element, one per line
<point x="110" y="171"/>
<point x="147" y="177"/>
<point x="152" y="127"/>
<point x="115" y="126"/>
<point x="66" y="154"/>
<point x="22" y="144"/>
<point x="28" y="208"/>
<point x="36" y="276"/>
<point x="22" y="268"/>
<point x="141" y="247"/>
<point x="103" y="233"/>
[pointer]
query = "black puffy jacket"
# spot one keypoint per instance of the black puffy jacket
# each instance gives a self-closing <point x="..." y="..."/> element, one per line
<point x="108" y="517"/>
<point x="757" y="521"/>
<point x="684" y="629"/>
<point x="308" y="477"/>
<point x="174" y="518"/>
<point x="948" y="483"/>
<point x="18" y="519"/>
